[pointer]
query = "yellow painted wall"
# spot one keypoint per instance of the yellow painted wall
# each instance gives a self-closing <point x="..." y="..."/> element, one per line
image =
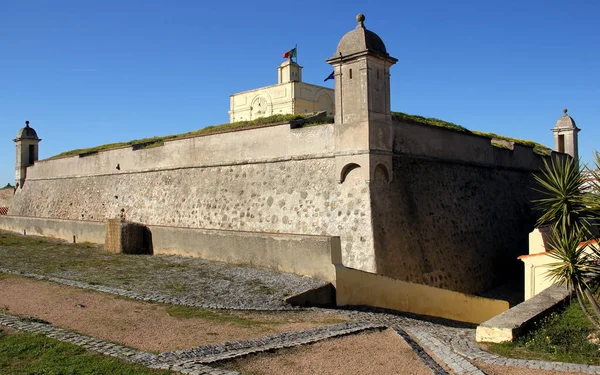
<point x="355" y="287"/>
<point x="536" y="268"/>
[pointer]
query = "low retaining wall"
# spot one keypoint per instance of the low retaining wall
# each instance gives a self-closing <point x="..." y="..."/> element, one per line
<point x="298" y="254"/>
<point x="356" y="287"/>
<point x="68" y="230"/>
<point x="510" y="324"/>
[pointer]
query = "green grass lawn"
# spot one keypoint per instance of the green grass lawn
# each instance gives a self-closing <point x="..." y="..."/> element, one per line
<point x="34" y="354"/>
<point x="562" y="336"/>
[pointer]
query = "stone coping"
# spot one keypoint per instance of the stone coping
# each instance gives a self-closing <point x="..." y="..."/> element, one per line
<point x="508" y="325"/>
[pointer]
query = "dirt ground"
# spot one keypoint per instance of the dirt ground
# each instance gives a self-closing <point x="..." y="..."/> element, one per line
<point x="380" y="353"/>
<point x="145" y="326"/>
<point x="158" y="327"/>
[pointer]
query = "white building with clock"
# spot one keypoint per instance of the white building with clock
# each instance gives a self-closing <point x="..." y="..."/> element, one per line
<point x="289" y="96"/>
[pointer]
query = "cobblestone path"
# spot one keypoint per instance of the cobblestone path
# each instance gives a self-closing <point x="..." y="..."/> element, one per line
<point x="444" y="347"/>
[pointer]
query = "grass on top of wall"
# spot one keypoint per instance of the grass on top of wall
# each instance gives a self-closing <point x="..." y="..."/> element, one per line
<point x="415" y="119"/>
<point x="399" y="116"/>
<point x="157" y="141"/>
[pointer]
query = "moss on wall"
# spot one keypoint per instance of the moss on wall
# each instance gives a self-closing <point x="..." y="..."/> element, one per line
<point x="160" y="140"/>
<point x="415" y="119"/>
<point x="277" y="119"/>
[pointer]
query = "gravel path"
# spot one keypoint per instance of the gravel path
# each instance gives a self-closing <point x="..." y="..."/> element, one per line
<point x="210" y="284"/>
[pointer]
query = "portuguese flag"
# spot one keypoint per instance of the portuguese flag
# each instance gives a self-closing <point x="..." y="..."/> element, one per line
<point x="290" y="54"/>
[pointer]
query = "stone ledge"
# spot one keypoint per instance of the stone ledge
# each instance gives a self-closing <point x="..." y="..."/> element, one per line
<point x="508" y="325"/>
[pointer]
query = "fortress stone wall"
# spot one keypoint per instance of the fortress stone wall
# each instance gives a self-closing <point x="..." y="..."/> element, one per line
<point x="453" y="219"/>
<point x="272" y="179"/>
<point x="413" y="202"/>
<point x="458" y="211"/>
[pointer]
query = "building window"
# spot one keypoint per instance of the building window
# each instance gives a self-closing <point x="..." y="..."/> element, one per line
<point x="31" y="154"/>
<point x="561" y="143"/>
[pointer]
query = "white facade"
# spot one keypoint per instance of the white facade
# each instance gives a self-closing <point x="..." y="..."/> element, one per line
<point x="289" y="96"/>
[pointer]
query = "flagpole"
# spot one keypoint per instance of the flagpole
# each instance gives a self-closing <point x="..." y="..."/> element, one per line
<point x="341" y="93"/>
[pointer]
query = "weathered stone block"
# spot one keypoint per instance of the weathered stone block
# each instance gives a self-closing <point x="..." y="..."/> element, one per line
<point x="125" y="237"/>
<point x="514" y="322"/>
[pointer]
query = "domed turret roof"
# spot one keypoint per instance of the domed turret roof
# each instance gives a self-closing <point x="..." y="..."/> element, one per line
<point x="565" y="122"/>
<point x="360" y="40"/>
<point x="27" y="132"/>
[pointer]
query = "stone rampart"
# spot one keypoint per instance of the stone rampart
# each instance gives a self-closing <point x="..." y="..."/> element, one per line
<point x="273" y="180"/>
<point x="455" y="214"/>
<point x="262" y="144"/>
<point x="452" y="225"/>
<point x="438" y="143"/>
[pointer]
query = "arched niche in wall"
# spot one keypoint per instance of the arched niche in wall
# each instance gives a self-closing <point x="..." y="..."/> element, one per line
<point x="323" y="102"/>
<point x="261" y="106"/>
<point x="381" y="174"/>
<point x="346" y="171"/>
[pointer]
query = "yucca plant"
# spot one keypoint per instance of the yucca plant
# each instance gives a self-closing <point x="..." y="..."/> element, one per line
<point x="562" y="186"/>
<point x="567" y="205"/>
<point x="576" y="265"/>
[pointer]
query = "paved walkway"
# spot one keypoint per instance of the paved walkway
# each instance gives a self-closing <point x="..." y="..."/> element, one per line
<point x="441" y="345"/>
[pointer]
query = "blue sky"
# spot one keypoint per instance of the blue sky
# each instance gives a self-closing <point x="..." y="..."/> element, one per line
<point x="92" y="72"/>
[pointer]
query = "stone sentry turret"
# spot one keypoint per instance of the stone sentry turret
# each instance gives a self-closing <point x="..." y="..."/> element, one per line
<point x="565" y="135"/>
<point x="362" y="100"/>
<point x="27" y="152"/>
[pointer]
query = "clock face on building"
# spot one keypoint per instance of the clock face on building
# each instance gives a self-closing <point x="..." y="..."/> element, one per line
<point x="260" y="107"/>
